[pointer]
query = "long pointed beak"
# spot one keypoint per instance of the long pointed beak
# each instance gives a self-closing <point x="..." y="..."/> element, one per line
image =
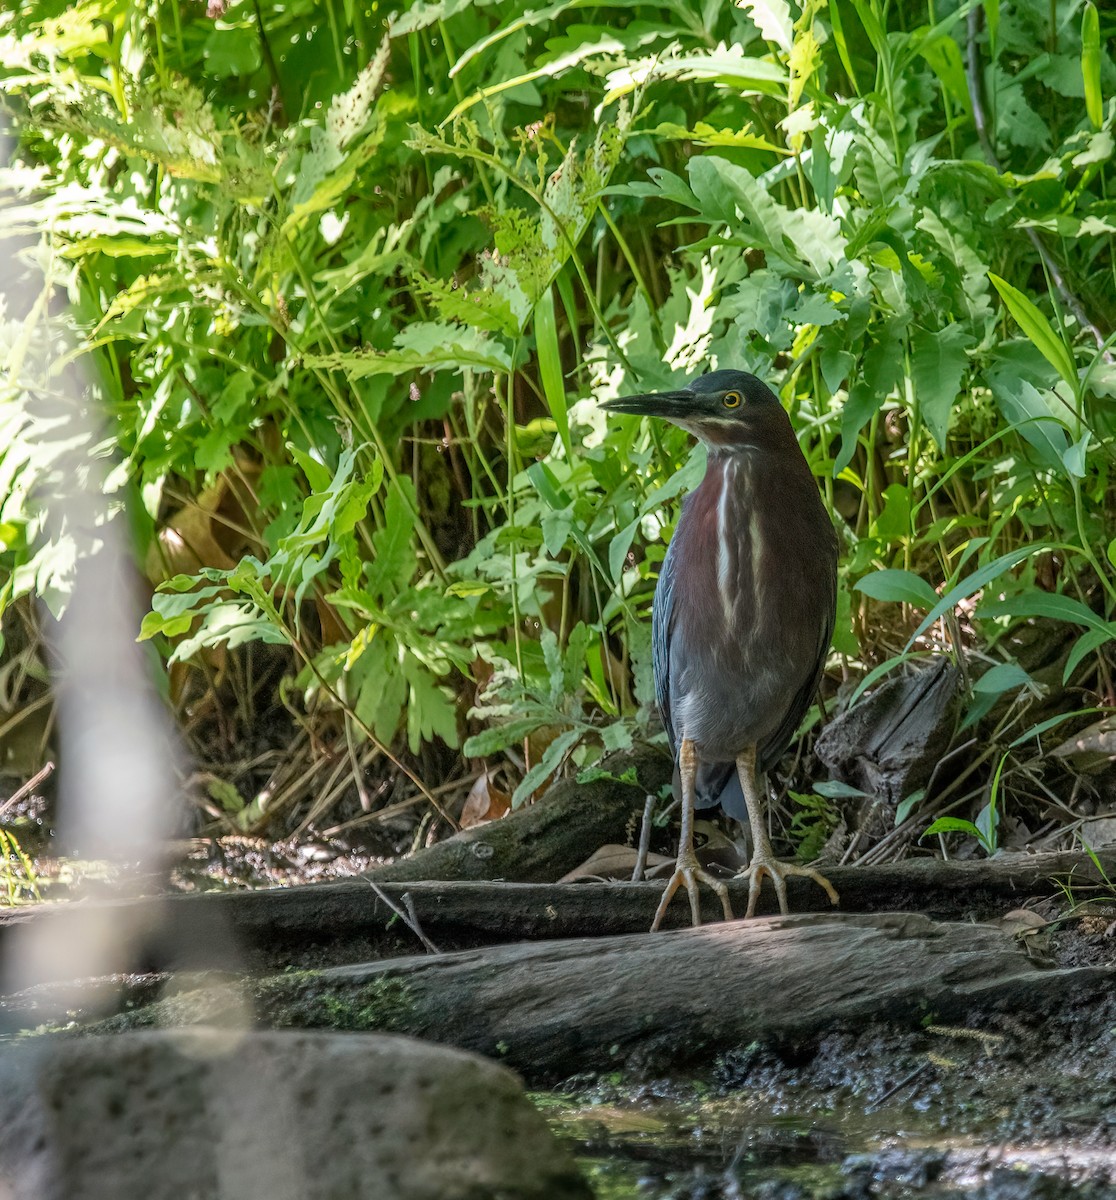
<point x="655" y="404"/>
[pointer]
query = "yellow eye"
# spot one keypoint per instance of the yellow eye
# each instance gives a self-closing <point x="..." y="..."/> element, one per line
<point x="732" y="400"/>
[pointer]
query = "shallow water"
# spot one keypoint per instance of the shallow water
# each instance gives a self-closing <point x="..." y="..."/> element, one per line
<point x="701" y="1148"/>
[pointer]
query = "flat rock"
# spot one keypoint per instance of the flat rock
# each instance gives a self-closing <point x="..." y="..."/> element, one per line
<point x="204" y="1114"/>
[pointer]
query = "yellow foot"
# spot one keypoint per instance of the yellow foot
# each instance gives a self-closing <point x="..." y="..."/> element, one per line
<point x="762" y="864"/>
<point x="688" y="872"/>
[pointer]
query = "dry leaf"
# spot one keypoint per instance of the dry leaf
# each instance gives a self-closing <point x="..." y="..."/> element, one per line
<point x="484" y="803"/>
<point x="612" y="862"/>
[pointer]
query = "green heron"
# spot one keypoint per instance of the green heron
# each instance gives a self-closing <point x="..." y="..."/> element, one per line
<point x="742" y="616"/>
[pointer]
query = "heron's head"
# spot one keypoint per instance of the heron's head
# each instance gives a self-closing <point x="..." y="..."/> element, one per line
<point x="724" y="408"/>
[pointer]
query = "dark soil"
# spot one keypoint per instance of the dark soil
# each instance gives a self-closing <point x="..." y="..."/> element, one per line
<point x="1001" y="1107"/>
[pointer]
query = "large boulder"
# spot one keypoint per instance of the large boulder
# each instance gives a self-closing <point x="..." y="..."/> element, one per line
<point x="205" y="1114"/>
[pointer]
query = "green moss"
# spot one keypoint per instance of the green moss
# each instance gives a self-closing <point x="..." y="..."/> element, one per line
<point x="308" y="1002"/>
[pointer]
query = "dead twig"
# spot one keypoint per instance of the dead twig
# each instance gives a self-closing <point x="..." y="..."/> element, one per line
<point x="406" y="914"/>
<point x="644" y="840"/>
<point x="26" y="790"/>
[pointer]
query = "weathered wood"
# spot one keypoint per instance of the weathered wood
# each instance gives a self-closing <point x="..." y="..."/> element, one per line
<point x="542" y="842"/>
<point x="665" y="1000"/>
<point x="889" y="743"/>
<point x="326" y="924"/>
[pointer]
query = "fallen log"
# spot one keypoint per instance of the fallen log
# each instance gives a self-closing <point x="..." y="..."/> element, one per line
<point x="542" y="842"/>
<point x="323" y="925"/>
<point x="554" y="1009"/>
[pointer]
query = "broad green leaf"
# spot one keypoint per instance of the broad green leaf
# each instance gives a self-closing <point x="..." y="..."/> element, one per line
<point x="901" y="587"/>
<point x="938" y="362"/>
<point x="953" y="825"/>
<point x="1037" y="328"/>
<point x="618" y="549"/>
<point x="1052" y="605"/>
<point x="894" y="523"/>
<point x="944" y="56"/>
<point x="1086" y="644"/>
<point x="1003" y="677"/>
<point x="393" y="563"/>
<point x="232" y="625"/>
<point x="871" y="386"/>
<point x="808" y="242"/>
<point x="773" y="19"/>
<point x="1028" y="411"/>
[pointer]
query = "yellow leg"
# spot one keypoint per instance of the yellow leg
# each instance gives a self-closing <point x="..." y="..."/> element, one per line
<point x="764" y="861"/>
<point x="687" y="870"/>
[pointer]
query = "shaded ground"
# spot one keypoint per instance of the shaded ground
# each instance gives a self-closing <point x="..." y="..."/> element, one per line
<point x="1002" y="1107"/>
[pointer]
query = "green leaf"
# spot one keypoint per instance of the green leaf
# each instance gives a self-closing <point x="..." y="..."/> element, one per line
<point x="805" y="55"/>
<point x="430" y="708"/>
<point x="546" y="766"/>
<point x="992" y="21"/>
<point x="1027" y="409"/>
<point x="727" y="65"/>
<point x="954" y="825"/>
<point x="842" y="43"/>
<point x="938" y="361"/>
<point x="1003" y="677"/>
<point x="1086" y="644"/>
<point x="1052" y="605"/>
<point x="807" y="241"/>
<point x="988" y="819"/>
<point x="970" y="584"/>
<point x="773" y="20"/>
<point x="618" y="549"/>
<point x="550" y="367"/>
<point x="233" y="51"/>
<point x="1091" y="64"/>
<point x="905" y="807"/>
<point x="346" y="141"/>
<point x="1030" y="319"/>
<point x="894" y="522"/>
<point x="900" y="587"/>
<point x="834" y="789"/>
<point x="499" y="737"/>
<point x="704" y="134"/>
<point x="422" y="346"/>
<point x="393" y="563"/>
